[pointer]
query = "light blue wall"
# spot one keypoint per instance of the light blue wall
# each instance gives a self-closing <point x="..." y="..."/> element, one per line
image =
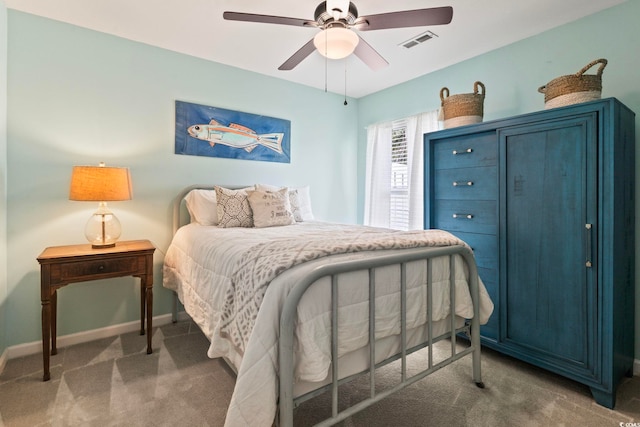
<point x="3" y="174"/>
<point x="79" y="97"/>
<point x="513" y="74"/>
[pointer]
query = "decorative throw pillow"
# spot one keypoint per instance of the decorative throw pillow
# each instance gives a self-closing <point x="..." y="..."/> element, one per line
<point x="299" y="199"/>
<point x="201" y="205"/>
<point x="271" y="208"/>
<point x="233" y="208"/>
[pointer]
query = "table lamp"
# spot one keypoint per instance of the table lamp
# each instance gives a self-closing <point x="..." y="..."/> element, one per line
<point x="101" y="184"/>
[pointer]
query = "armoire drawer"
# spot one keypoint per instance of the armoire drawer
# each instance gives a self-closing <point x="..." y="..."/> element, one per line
<point x="466" y="151"/>
<point x="466" y="184"/>
<point x="475" y="216"/>
<point x="489" y="277"/>
<point x="484" y="246"/>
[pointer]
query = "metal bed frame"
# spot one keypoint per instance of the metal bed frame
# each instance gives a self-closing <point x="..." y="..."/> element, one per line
<point x="288" y="402"/>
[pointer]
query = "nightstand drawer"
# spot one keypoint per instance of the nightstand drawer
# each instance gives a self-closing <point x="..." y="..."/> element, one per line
<point x="77" y="270"/>
<point x="466" y="184"/>
<point x="466" y="151"/>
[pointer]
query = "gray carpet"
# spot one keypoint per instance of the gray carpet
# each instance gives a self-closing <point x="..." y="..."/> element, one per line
<point x="113" y="382"/>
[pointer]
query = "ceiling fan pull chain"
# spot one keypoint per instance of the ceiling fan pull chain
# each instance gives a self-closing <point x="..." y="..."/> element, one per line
<point x="345" y="81"/>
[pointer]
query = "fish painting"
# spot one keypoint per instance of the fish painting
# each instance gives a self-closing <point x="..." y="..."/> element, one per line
<point x="203" y="130"/>
<point x="235" y="136"/>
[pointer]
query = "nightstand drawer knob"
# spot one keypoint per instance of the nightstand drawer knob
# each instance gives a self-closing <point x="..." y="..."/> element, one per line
<point x="101" y="267"/>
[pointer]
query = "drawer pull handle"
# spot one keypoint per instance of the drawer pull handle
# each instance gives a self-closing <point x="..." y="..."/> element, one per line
<point x="101" y="268"/>
<point x="462" y="183"/>
<point x="467" y="151"/>
<point x="463" y="215"/>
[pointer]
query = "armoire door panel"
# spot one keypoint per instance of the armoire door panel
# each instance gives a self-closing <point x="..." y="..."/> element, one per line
<point x="548" y="288"/>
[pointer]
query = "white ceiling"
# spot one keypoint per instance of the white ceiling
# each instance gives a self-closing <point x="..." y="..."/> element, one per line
<point x="196" y="27"/>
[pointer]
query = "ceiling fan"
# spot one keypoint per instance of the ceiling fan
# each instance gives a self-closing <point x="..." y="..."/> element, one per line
<point x="337" y="19"/>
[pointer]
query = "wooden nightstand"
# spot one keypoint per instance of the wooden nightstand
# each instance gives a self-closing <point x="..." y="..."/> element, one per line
<point x="62" y="265"/>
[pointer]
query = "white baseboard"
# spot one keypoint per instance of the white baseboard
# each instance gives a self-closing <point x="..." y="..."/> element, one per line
<point x="109" y="331"/>
<point x="84" y="336"/>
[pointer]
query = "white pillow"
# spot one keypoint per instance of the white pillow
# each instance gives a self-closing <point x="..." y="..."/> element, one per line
<point x="299" y="199"/>
<point x="233" y="208"/>
<point x="201" y="205"/>
<point x="268" y="187"/>
<point x="271" y="208"/>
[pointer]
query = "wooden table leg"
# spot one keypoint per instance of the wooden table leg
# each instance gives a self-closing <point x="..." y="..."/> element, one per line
<point x="45" y="299"/>
<point x="149" y="298"/>
<point x="46" y="338"/>
<point x="54" y="321"/>
<point x="143" y="305"/>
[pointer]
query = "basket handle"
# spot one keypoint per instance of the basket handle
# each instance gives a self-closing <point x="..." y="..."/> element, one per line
<point x="601" y="61"/>
<point x="442" y="95"/>
<point x="475" y="88"/>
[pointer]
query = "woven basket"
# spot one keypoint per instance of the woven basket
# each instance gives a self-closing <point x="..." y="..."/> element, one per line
<point x="462" y="109"/>
<point x="574" y="88"/>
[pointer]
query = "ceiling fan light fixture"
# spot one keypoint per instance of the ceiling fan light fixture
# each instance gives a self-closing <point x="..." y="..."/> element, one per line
<point x="336" y="42"/>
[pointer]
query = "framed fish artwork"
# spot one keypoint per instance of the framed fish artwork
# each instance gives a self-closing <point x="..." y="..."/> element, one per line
<point x="215" y="132"/>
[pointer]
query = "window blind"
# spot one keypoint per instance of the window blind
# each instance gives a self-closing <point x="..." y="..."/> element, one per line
<point x="399" y="207"/>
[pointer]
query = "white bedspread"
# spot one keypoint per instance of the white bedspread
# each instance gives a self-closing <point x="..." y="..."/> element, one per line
<point x="204" y="266"/>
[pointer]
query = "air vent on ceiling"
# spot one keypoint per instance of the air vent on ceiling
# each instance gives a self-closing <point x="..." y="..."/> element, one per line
<point x="421" y="38"/>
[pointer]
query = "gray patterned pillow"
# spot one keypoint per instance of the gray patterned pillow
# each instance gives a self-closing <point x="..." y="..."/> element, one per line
<point x="233" y="208"/>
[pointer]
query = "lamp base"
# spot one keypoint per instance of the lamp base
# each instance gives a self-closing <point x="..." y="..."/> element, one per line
<point x="103" y="228"/>
<point x="105" y="246"/>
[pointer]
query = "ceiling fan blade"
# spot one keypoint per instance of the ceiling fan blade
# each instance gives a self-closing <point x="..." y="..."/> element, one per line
<point x="268" y="19"/>
<point x="406" y="18"/>
<point x="369" y="56"/>
<point x="297" y="57"/>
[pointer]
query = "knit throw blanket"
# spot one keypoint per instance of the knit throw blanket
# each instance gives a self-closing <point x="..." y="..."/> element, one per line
<point x="263" y="262"/>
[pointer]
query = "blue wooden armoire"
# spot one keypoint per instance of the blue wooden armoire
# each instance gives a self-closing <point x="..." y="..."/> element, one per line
<point x="546" y="200"/>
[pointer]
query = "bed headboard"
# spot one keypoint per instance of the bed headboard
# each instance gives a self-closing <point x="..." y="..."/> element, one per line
<point x="180" y="213"/>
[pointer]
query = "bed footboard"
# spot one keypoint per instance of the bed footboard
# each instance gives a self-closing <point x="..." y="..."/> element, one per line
<point x="287" y="400"/>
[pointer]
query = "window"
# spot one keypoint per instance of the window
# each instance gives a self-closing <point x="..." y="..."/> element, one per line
<point x="399" y="204"/>
<point x="394" y="183"/>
